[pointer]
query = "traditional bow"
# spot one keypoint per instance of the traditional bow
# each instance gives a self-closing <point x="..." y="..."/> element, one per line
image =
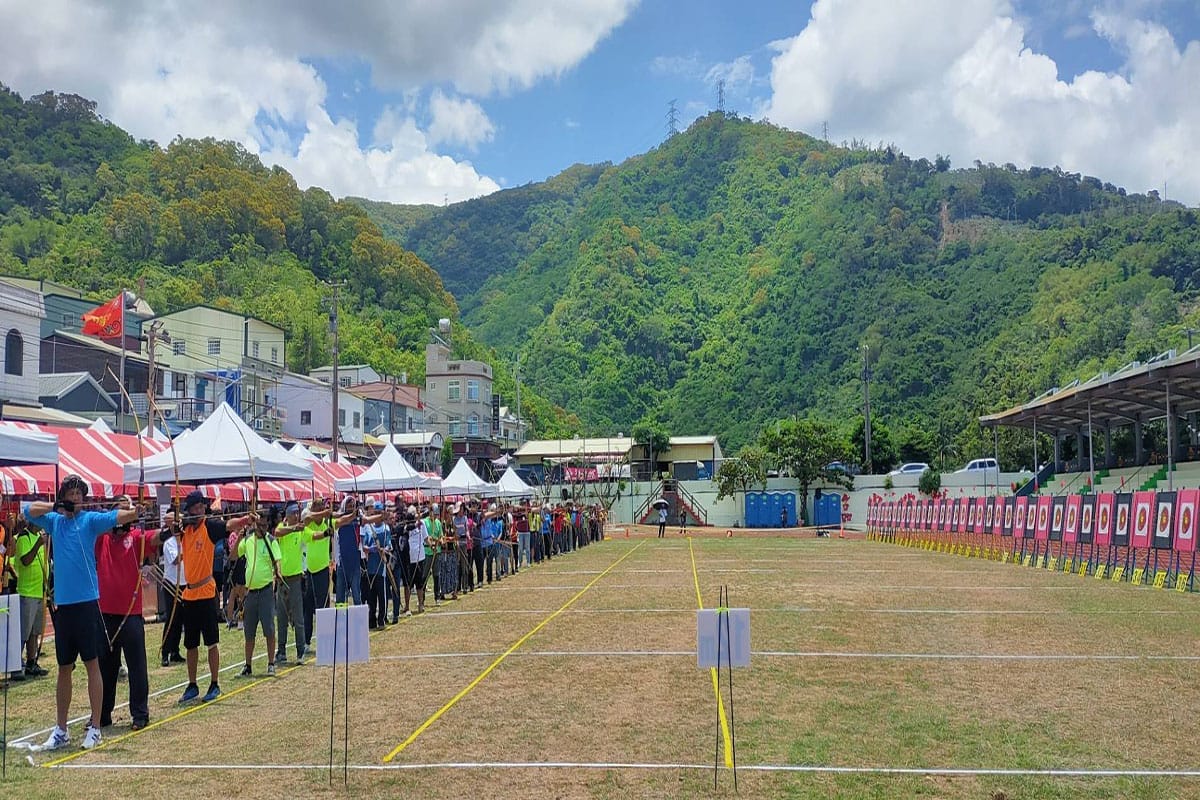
<point x="141" y="498"/>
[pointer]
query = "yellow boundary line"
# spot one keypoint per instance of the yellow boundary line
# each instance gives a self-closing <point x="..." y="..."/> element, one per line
<point x="725" y="735"/>
<point x="467" y="689"/>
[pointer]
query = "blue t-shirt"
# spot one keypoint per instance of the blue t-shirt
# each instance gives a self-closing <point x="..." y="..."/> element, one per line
<point x="347" y="542"/>
<point x="376" y="536"/>
<point x="74" y="540"/>
<point x="492" y="528"/>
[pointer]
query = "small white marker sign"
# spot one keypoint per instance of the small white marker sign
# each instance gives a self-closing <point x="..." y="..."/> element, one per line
<point x="731" y="638"/>
<point x="12" y="653"/>
<point x="351" y="632"/>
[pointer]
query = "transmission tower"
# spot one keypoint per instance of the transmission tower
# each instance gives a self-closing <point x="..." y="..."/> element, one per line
<point x="672" y="119"/>
<point x="721" y="96"/>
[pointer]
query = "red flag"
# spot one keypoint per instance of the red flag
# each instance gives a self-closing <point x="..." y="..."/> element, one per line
<point x="107" y="321"/>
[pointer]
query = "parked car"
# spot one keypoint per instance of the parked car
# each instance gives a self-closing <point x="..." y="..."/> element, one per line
<point x="911" y="468"/>
<point x="986" y="465"/>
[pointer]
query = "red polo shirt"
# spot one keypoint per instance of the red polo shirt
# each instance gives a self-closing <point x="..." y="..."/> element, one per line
<point x="119" y="570"/>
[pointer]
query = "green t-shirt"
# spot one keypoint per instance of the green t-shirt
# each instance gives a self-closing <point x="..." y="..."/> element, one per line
<point x="258" y="560"/>
<point x="31" y="580"/>
<point x="316" y="551"/>
<point x="290" y="562"/>
<point x="433" y="530"/>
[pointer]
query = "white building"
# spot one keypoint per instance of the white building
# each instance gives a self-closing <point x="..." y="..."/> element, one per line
<point x="348" y="375"/>
<point x="307" y="404"/>
<point x="21" y="314"/>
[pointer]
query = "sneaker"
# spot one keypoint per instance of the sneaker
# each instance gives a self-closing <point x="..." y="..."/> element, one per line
<point x="281" y="658"/>
<point x="138" y="724"/>
<point x="166" y="662"/>
<point x="58" y="739"/>
<point x="92" y="738"/>
<point x="190" y="693"/>
<point x="246" y="672"/>
<point x="271" y="670"/>
<point x="214" y="691"/>
<point x="301" y="652"/>
<point x="19" y="675"/>
<point x="33" y="670"/>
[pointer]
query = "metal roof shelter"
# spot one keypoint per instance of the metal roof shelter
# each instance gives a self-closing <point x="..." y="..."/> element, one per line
<point x="1166" y="386"/>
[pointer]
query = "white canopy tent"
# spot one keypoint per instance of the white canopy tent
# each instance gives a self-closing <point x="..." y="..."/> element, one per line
<point x="511" y="485"/>
<point x="23" y="446"/>
<point x="150" y="432"/>
<point x="100" y="426"/>
<point x="222" y="448"/>
<point x="302" y="453"/>
<point x="390" y="472"/>
<point x="463" y="480"/>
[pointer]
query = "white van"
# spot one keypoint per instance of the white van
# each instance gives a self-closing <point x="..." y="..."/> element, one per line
<point x="985" y="465"/>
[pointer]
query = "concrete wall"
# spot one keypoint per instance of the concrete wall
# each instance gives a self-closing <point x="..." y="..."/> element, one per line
<point x="729" y="512"/>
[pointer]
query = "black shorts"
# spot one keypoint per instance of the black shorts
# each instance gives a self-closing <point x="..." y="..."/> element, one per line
<point x="199" y="622"/>
<point x="79" y="633"/>
<point x="238" y="573"/>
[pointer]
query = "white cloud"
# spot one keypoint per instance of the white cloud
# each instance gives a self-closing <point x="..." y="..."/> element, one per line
<point x="971" y="86"/>
<point x="242" y="71"/>
<point x="457" y="120"/>
<point x="737" y="74"/>
<point x="683" y="66"/>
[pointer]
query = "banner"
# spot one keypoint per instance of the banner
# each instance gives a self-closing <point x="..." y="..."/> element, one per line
<point x="1164" y="520"/>
<point x="1143" y="519"/>
<point x="1042" y="529"/>
<point x="972" y="516"/>
<point x="1105" y="515"/>
<point x="1058" y="510"/>
<point x="1070" y="532"/>
<point x="981" y="523"/>
<point x="1031" y="516"/>
<point x="1185" y="520"/>
<point x="1005" y="515"/>
<point x="928" y="521"/>
<point x="1087" y="519"/>
<point x="1122" y="510"/>
<point x="965" y="507"/>
<point x="990" y="520"/>
<point x="1019" y="509"/>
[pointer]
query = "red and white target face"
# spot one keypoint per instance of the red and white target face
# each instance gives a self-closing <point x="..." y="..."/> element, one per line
<point x="1103" y="519"/>
<point x="1122" y="519"/>
<point x="1087" y="518"/>
<point x="1070" y="518"/>
<point x="1164" y="519"/>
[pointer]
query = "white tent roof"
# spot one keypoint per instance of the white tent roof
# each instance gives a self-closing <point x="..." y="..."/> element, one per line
<point x="302" y="453"/>
<point x="463" y="480"/>
<point x="511" y="485"/>
<point x="22" y="446"/>
<point x="153" y="433"/>
<point x="222" y="448"/>
<point x="390" y="472"/>
<point x="100" y="426"/>
<point x="278" y="445"/>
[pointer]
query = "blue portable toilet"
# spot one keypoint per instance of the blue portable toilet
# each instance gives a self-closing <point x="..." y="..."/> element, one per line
<point x="776" y="506"/>
<point x="752" y="503"/>
<point x="828" y="511"/>
<point x="789" y="502"/>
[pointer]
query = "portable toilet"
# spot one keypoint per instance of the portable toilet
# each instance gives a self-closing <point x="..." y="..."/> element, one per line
<point x="789" y="502"/>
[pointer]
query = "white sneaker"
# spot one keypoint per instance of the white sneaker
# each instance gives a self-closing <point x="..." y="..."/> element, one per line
<point x="92" y="738"/>
<point x="58" y="739"/>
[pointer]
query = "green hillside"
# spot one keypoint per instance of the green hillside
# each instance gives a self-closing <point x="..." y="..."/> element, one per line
<point x="203" y="221"/>
<point x="732" y="276"/>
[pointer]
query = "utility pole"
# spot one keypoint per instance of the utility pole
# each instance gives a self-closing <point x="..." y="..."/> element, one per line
<point x="335" y="429"/>
<point x="866" y="376"/>
<point x="153" y="336"/>
<point x="672" y="119"/>
<point x="517" y="376"/>
<point x="392" y="413"/>
<point x="721" y="96"/>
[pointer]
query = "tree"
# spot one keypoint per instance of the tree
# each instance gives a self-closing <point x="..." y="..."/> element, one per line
<point x="447" y="456"/>
<point x="739" y="474"/>
<point x="805" y="449"/>
<point x="930" y="482"/>
<point x="883" y="448"/>
<point x="652" y="435"/>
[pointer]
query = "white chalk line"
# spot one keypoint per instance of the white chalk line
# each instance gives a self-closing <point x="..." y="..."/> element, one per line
<point x="633" y="765"/>
<point x="812" y="610"/>
<point x="803" y="654"/>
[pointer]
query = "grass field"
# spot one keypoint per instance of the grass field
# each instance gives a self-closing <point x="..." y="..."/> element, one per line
<point x="878" y="671"/>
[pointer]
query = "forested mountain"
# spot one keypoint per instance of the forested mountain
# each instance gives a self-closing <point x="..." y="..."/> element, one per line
<point x="203" y="221"/>
<point x="734" y="275"/>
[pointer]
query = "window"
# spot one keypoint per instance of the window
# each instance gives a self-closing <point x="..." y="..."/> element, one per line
<point x="473" y="425"/>
<point x="455" y="426"/>
<point x="357" y="420"/>
<point x="306" y="418"/>
<point x="345" y="382"/>
<point x="432" y="385"/>
<point x="410" y="424"/>
<point x="454" y="391"/>
<point x="254" y="349"/>
<point x="14" y="353"/>
<point x="274" y="355"/>
<point x="180" y="382"/>
<point x="214" y="346"/>
<point x="179" y="347"/>
<point x="70" y="320"/>
<point x="342" y="417"/>
<point x="473" y="391"/>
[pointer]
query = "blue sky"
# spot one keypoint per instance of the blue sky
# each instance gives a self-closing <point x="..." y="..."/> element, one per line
<point x="418" y="102"/>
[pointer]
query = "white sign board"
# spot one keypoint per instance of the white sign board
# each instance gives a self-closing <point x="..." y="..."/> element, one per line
<point x="12" y="653"/>
<point x="349" y="627"/>
<point x="729" y="631"/>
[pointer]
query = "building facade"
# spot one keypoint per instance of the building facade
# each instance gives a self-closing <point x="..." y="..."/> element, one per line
<point x="21" y="315"/>
<point x="308" y="410"/>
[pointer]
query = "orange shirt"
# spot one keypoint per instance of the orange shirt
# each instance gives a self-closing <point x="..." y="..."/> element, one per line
<point x="196" y="551"/>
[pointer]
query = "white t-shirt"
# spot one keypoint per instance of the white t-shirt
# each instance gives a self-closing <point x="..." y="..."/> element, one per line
<point x="170" y="558"/>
